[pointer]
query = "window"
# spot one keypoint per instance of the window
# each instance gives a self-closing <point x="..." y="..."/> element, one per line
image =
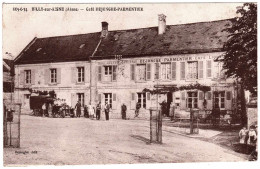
<point x="108" y="70"/>
<point x="53" y="75"/>
<point x="218" y="72"/>
<point x="28" y="76"/>
<point x="192" y="70"/>
<point x="140" y="71"/>
<point x="110" y="73"/>
<point x="108" y="99"/>
<point x="192" y="101"/>
<point x="81" y="74"/>
<point x="80" y="97"/>
<point x="142" y="99"/>
<point x="166" y="71"/>
<point x="219" y="99"/>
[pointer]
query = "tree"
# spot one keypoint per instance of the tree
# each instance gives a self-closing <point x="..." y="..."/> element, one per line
<point x="240" y="57"/>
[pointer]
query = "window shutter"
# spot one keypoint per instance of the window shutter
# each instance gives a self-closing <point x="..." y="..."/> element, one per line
<point x="99" y="73"/>
<point x="209" y="65"/>
<point x="47" y="76"/>
<point x="182" y="95"/>
<point x="74" y="75"/>
<point x="209" y="95"/>
<point x="148" y="96"/>
<point x="173" y="70"/>
<point x="182" y="70"/>
<point x="73" y="100"/>
<point x="58" y="75"/>
<point x="201" y="96"/>
<point x="87" y="74"/>
<point x="157" y="71"/>
<point x="114" y="105"/>
<point x="183" y="101"/>
<point x="132" y="71"/>
<point x="22" y="77"/>
<point x="33" y="76"/>
<point x="148" y="71"/>
<point x="228" y="95"/>
<point x="200" y="69"/>
<point x="133" y="96"/>
<point x="132" y="103"/>
<point x="99" y="97"/>
<point x="114" y="69"/>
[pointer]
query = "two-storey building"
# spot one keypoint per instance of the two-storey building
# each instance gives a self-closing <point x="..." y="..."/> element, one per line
<point x="115" y="66"/>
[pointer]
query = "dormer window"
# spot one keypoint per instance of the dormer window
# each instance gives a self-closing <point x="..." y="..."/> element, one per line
<point x="81" y="46"/>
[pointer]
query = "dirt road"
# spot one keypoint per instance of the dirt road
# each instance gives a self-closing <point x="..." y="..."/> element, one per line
<point x="84" y="141"/>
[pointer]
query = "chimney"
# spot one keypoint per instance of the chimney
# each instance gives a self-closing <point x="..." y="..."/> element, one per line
<point x="104" y="31"/>
<point x="161" y="24"/>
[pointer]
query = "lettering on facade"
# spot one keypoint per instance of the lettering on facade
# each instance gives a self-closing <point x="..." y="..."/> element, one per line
<point x="159" y="60"/>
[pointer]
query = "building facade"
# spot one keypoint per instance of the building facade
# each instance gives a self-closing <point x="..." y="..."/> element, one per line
<point x="116" y="66"/>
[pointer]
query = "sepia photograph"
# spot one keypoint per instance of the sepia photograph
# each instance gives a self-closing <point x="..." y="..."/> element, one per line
<point x="129" y="83"/>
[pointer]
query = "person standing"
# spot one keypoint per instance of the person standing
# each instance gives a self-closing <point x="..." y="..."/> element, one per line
<point x="123" y="111"/>
<point x="86" y="114"/>
<point x="98" y="110"/>
<point x="107" y="108"/>
<point x="78" y="109"/>
<point x="43" y="109"/>
<point x="138" y="106"/>
<point x="242" y="135"/>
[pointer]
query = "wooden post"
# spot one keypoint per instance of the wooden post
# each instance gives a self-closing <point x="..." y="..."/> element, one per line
<point x="151" y="134"/>
<point x="19" y="124"/>
<point x="191" y="121"/>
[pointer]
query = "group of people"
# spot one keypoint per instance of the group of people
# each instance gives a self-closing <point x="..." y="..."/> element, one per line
<point x="91" y="111"/>
<point x="248" y="139"/>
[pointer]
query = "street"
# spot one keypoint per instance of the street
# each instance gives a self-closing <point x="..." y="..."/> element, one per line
<point x="57" y="141"/>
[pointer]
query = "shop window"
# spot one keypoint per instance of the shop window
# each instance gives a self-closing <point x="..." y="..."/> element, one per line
<point x="53" y="75"/>
<point x="166" y="71"/>
<point x="219" y="99"/>
<point x="28" y="76"/>
<point x="81" y="74"/>
<point x="142" y="99"/>
<point x="192" y="100"/>
<point x="108" y="99"/>
<point x="192" y="70"/>
<point x="80" y="97"/>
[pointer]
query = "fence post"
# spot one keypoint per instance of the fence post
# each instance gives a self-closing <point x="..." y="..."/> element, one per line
<point x="19" y="124"/>
<point x="151" y="134"/>
<point x="191" y="121"/>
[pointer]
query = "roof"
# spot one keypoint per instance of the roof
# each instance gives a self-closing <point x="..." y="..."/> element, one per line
<point x="8" y="65"/>
<point x="199" y="37"/>
<point x="177" y="39"/>
<point x="59" y="49"/>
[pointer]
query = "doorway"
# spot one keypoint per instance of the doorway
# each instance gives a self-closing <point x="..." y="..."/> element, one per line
<point x="169" y="101"/>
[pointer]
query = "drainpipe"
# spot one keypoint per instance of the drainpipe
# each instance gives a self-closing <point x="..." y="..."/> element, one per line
<point x="90" y="76"/>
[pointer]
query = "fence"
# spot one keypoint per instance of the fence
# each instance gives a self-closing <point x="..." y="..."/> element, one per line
<point x="12" y="113"/>
<point x="155" y="126"/>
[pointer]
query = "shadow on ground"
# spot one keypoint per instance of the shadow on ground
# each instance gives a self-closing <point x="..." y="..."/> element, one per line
<point x="147" y="141"/>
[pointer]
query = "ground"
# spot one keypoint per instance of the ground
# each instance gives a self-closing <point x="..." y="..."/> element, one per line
<point x="57" y="141"/>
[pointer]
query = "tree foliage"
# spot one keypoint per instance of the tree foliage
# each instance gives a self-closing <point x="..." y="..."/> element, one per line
<point x="240" y="58"/>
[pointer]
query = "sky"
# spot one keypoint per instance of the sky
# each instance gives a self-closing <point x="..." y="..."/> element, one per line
<point x="19" y="28"/>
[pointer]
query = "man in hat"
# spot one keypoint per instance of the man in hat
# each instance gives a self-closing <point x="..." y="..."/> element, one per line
<point x="78" y="109"/>
<point x="107" y="108"/>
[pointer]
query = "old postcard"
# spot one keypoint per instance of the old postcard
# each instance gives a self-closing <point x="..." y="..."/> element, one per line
<point x="129" y="83"/>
